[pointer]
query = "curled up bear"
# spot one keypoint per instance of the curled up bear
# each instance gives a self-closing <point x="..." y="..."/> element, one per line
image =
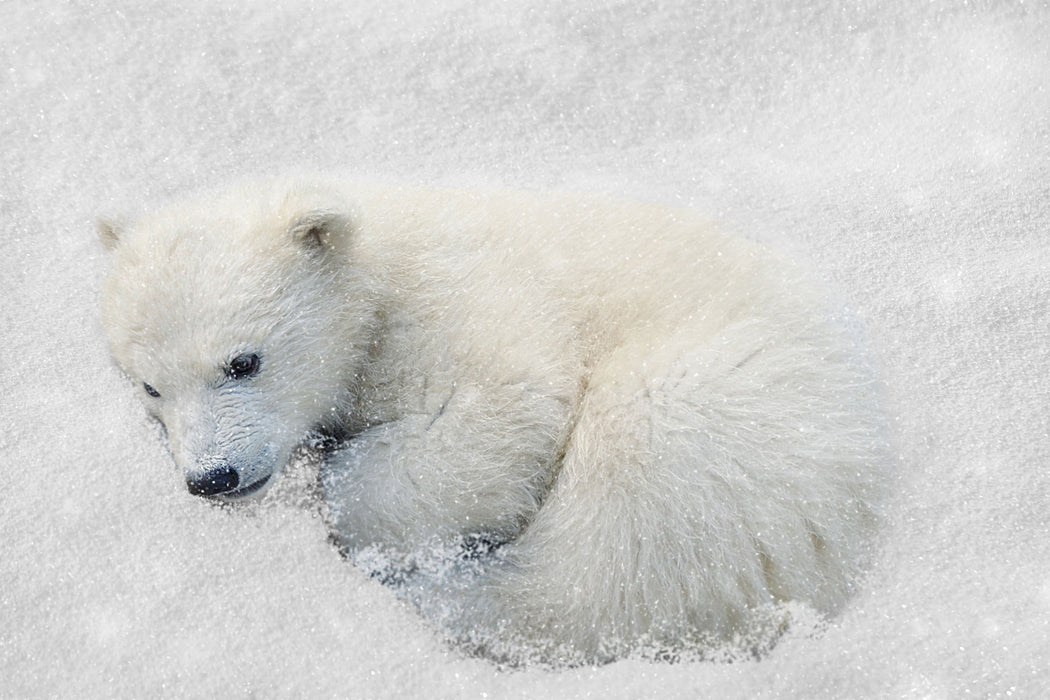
<point x="618" y="428"/>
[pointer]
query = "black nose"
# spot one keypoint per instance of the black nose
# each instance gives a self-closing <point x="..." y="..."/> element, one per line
<point x="218" y="478"/>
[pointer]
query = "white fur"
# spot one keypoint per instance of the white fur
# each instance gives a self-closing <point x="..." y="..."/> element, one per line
<point x="668" y="427"/>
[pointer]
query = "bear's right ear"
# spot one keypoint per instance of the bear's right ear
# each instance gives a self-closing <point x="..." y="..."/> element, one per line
<point x="321" y="230"/>
<point x="109" y="230"/>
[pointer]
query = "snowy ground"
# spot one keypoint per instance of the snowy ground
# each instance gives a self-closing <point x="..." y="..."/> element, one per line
<point x="903" y="147"/>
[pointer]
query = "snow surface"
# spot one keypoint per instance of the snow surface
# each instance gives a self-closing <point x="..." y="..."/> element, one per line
<point x="903" y="147"/>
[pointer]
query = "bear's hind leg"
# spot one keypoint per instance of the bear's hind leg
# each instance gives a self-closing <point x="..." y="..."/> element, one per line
<point x="703" y="480"/>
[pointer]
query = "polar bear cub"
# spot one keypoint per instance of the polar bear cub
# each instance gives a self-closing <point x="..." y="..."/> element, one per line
<point x="656" y="430"/>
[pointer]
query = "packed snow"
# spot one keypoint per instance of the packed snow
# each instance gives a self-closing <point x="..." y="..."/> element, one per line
<point x="902" y="148"/>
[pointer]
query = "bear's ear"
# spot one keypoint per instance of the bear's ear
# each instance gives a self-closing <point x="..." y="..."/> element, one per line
<point x="110" y="229"/>
<point x="320" y="230"/>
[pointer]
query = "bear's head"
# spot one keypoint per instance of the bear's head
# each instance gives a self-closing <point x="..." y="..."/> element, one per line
<point x="242" y="320"/>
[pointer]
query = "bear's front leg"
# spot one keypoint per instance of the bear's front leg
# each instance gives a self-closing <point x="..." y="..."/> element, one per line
<point x="479" y="464"/>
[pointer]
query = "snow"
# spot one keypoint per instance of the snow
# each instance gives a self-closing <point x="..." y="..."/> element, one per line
<point x="902" y="147"/>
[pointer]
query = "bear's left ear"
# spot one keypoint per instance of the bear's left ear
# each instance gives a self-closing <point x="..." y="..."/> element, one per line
<point x="321" y="230"/>
<point x="110" y="229"/>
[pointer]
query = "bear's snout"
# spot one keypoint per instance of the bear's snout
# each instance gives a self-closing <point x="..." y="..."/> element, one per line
<point x="217" y="477"/>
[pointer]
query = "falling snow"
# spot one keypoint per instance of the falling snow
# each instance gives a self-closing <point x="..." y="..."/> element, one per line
<point x="903" y="148"/>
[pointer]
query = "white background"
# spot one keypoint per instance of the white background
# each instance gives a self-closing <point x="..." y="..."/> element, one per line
<point x="902" y="147"/>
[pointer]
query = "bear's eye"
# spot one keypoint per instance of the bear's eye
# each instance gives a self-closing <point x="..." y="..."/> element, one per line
<point x="243" y="366"/>
<point x="150" y="390"/>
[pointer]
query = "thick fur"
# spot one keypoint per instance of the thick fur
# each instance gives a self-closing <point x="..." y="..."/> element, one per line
<point x="668" y="429"/>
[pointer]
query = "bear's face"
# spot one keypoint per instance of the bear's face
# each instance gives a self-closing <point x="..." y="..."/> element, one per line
<point x="242" y="330"/>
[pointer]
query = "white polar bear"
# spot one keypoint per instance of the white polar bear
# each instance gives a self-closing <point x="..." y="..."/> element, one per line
<point x="655" y="430"/>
